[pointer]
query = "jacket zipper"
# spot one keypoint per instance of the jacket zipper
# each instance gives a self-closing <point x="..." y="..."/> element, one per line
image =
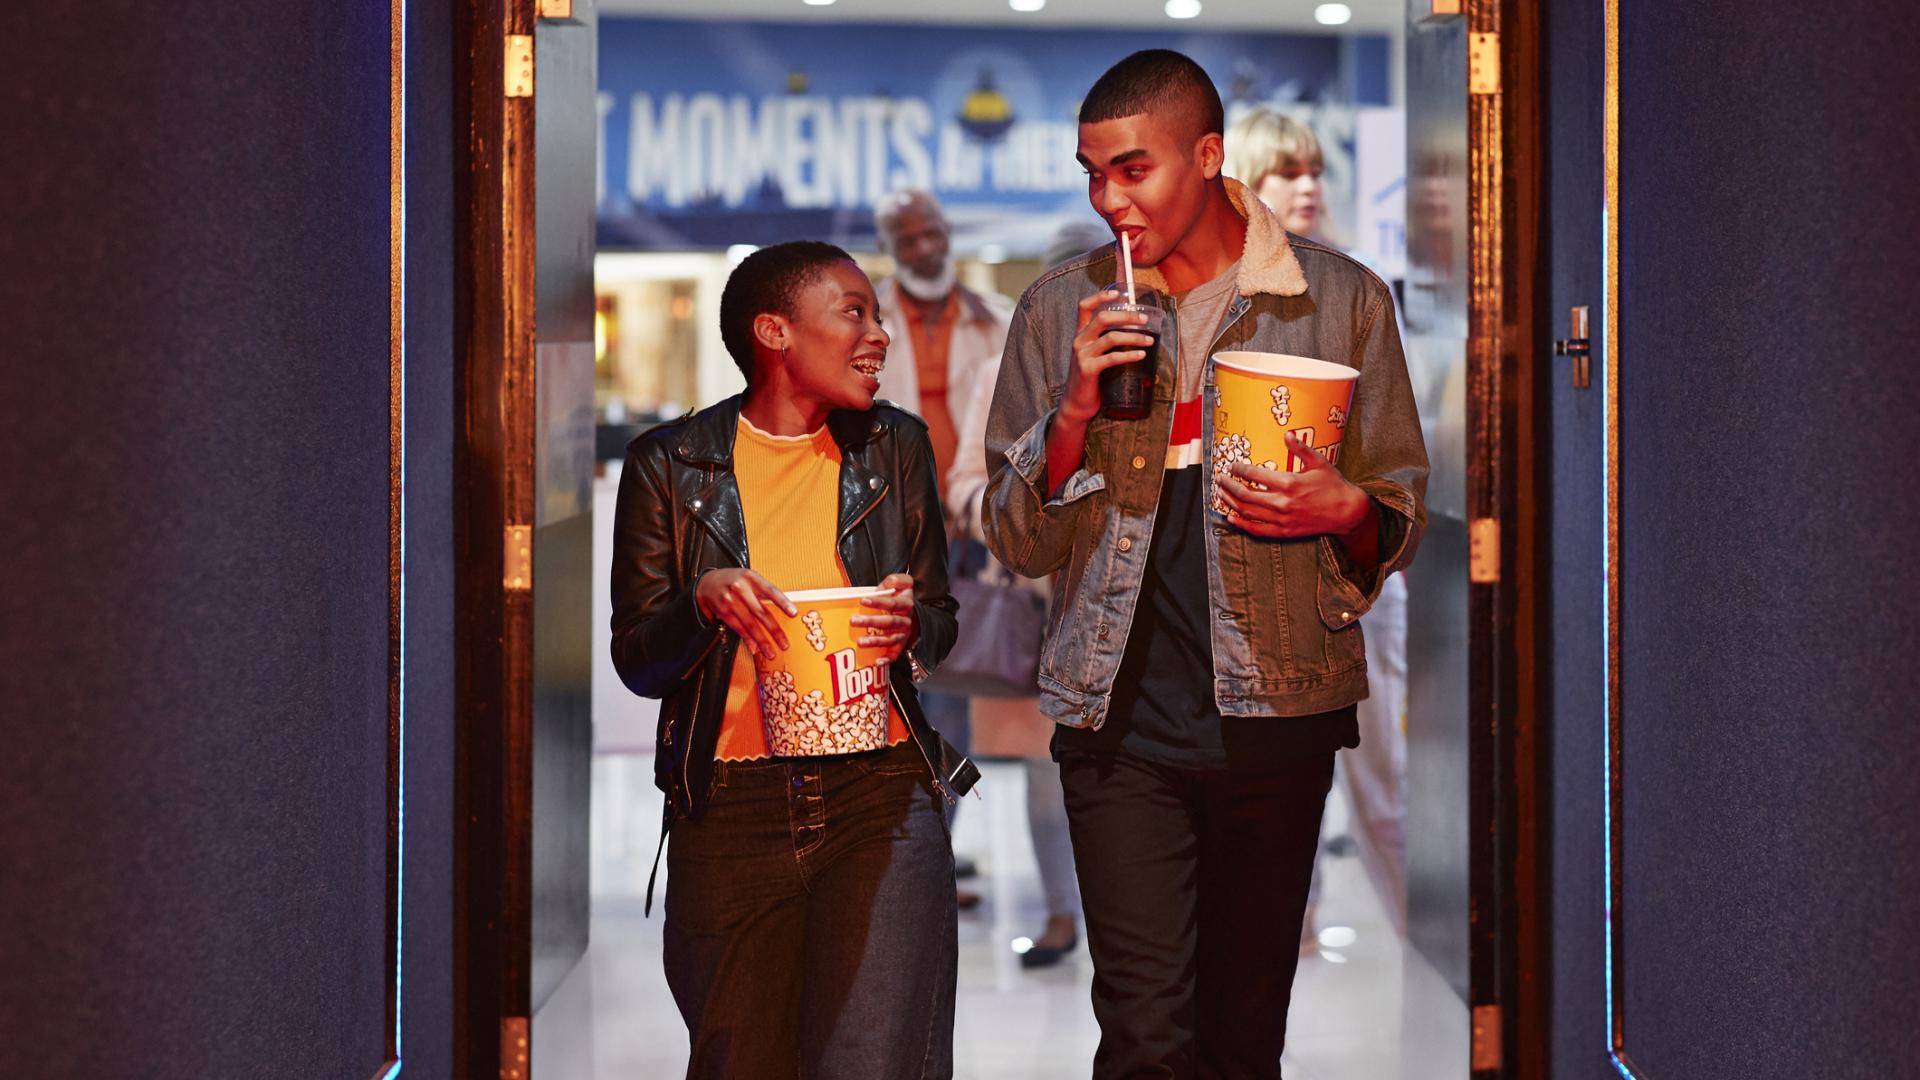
<point x="939" y="782"/>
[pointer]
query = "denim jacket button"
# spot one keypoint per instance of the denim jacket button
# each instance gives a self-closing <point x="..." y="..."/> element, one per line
<point x="873" y="483"/>
<point x="1345" y="615"/>
<point x="1125" y="544"/>
<point x="1139" y="462"/>
<point x="696" y="504"/>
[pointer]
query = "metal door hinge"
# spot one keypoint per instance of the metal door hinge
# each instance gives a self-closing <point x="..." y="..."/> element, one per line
<point x="1486" y="1037"/>
<point x="1483" y="63"/>
<point x="513" y="1048"/>
<point x="519" y="558"/>
<point x="519" y="65"/>
<point x="556" y="9"/>
<point x="1483" y="551"/>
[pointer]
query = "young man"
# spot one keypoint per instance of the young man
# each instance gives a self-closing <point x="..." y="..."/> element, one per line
<point x="1203" y="667"/>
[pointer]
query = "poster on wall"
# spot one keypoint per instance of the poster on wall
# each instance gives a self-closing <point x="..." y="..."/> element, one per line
<point x="714" y="134"/>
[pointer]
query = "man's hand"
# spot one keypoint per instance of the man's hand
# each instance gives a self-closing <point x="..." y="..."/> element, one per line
<point x="1095" y="350"/>
<point x="738" y="598"/>
<point x="1316" y="502"/>
<point x="895" y="626"/>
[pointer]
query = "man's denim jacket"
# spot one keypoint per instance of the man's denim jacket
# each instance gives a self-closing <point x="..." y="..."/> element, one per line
<point x="1286" y="633"/>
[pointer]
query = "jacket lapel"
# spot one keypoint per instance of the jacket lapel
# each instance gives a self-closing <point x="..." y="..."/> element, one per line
<point x="860" y="487"/>
<point x="715" y="502"/>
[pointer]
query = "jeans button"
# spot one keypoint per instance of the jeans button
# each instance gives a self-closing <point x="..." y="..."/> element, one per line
<point x="1125" y="544"/>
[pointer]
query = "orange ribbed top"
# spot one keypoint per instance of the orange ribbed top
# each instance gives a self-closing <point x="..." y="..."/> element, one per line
<point x="790" y="500"/>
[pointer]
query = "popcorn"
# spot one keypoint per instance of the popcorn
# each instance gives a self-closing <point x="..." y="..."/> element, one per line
<point x="816" y="634"/>
<point x="1228" y="450"/>
<point x="1282" y="405"/>
<point x="1337" y="417"/>
<point x="809" y="727"/>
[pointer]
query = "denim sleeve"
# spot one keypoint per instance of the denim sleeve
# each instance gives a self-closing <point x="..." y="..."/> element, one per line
<point x="1030" y="533"/>
<point x="1385" y="455"/>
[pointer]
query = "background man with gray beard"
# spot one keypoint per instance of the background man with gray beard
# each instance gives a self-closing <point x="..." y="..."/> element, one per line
<point x="945" y="336"/>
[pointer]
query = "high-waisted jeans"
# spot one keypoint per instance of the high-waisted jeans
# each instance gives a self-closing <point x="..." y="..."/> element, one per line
<point x="810" y="927"/>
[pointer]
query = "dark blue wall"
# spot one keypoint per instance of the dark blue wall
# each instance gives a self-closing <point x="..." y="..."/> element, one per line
<point x="193" y="813"/>
<point x="427" y="1008"/>
<point x="1770" y="629"/>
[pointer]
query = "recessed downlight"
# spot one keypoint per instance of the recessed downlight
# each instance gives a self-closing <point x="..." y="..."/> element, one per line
<point x="1183" y="9"/>
<point x="1333" y="14"/>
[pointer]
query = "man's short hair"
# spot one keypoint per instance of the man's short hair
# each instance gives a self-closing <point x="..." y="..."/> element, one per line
<point x="1160" y="82"/>
<point x="768" y="282"/>
<point x="886" y="214"/>
<point x="1264" y="142"/>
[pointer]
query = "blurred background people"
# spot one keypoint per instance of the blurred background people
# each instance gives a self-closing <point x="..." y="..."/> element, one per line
<point x="1280" y="159"/>
<point x="1014" y="727"/>
<point x="947" y="340"/>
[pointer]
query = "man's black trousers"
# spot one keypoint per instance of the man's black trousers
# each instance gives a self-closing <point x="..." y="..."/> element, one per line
<point x="1194" y="884"/>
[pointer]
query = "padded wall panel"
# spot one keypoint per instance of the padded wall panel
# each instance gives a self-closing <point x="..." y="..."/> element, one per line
<point x="1767" y="400"/>
<point x="193" y="814"/>
<point x="427" y="1009"/>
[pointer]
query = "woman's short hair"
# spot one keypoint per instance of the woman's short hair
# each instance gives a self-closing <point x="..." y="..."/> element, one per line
<point x="1263" y="142"/>
<point x="768" y="282"/>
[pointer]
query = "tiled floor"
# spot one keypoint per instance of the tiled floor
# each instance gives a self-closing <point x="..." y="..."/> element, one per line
<point x="1369" y="1010"/>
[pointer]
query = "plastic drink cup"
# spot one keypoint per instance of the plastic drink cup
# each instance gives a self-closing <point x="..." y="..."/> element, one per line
<point x="1126" y="390"/>
<point x="1262" y="397"/>
<point x="824" y="693"/>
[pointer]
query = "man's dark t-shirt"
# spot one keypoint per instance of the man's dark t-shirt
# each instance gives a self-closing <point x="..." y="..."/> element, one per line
<point x="1163" y="706"/>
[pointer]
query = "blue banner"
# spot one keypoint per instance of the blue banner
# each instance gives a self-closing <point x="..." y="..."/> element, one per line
<point x="722" y="133"/>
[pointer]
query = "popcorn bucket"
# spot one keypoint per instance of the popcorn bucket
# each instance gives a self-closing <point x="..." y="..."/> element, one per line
<point x="1263" y="396"/>
<point x="824" y="694"/>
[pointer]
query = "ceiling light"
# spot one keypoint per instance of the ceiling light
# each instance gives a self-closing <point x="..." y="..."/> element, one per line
<point x="1331" y="14"/>
<point x="1183" y="9"/>
<point x="818" y="3"/>
<point x="1026" y="5"/>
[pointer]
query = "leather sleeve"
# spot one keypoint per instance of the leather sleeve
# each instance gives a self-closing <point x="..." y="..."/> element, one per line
<point x="926" y="543"/>
<point x="659" y="636"/>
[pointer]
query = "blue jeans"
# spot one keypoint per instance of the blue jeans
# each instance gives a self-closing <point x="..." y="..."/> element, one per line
<point x="810" y="927"/>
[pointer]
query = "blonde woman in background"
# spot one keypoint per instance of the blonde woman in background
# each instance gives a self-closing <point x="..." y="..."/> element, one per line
<point x="1280" y="159"/>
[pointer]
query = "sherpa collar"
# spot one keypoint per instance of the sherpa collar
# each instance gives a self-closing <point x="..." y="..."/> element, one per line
<point x="1267" y="263"/>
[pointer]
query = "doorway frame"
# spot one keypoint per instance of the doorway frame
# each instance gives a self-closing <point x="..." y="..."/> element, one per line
<point x="1508" y="436"/>
<point x="493" y="519"/>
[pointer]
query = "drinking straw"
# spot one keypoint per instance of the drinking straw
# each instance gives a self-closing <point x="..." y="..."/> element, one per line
<point x="1126" y="260"/>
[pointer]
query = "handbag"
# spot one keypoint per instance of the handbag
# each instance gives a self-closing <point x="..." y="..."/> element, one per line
<point x="997" y="650"/>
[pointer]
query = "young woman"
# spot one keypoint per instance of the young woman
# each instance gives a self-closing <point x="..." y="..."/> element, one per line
<point x="810" y="900"/>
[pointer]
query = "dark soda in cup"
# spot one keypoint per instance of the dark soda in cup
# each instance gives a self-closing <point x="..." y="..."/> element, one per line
<point x="1126" y="390"/>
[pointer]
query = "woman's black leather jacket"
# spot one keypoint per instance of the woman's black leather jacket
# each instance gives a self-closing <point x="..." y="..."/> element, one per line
<point x="679" y="516"/>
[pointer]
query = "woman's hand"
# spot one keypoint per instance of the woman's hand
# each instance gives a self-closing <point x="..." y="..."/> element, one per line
<point x="894" y="626"/>
<point x="737" y="598"/>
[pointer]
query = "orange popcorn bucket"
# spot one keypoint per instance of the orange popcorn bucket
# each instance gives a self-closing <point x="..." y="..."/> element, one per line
<point x="824" y="694"/>
<point x="1264" y="396"/>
